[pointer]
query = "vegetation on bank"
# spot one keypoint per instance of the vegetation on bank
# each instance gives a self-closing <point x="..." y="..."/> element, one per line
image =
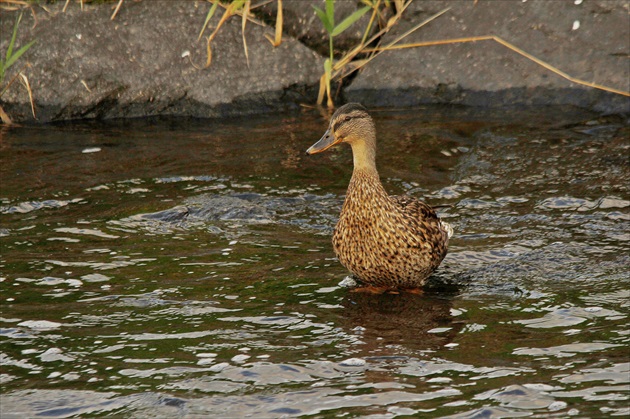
<point x="383" y="16"/>
<point x="6" y="62"/>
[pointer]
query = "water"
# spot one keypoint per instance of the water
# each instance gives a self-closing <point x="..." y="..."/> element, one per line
<point x="177" y="268"/>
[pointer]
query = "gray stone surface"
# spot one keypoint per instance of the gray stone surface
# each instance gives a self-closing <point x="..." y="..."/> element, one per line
<point x="487" y="73"/>
<point x="85" y="65"/>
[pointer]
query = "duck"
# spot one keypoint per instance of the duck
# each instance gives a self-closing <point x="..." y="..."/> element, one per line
<point x="388" y="243"/>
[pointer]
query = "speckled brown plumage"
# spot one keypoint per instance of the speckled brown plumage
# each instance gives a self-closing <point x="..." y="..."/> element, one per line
<point x="385" y="241"/>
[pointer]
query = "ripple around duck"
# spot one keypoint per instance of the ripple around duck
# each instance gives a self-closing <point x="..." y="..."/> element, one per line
<point x="307" y="211"/>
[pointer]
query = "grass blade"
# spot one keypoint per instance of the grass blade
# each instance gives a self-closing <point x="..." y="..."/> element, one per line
<point x="345" y="24"/>
<point x="208" y="52"/>
<point x="13" y="58"/>
<point x="229" y="11"/>
<point x="208" y="17"/>
<point x="279" y="25"/>
<point x="368" y="28"/>
<point x="120" y="2"/>
<point x="378" y="51"/>
<point x="330" y="12"/>
<point x="328" y="76"/>
<point x="30" y="93"/>
<point x="244" y="22"/>
<point x="324" y="18"/>
<point x="278" y="35"/>
<point x="7" y="57"/>
<point x="322" y="89"/>
<point x="4" y="117"/>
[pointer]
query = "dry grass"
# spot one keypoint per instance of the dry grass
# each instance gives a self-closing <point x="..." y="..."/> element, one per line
<point x="348" y="58"/>
<point x="277" y="40"/>
<point x="26" y="84"/>
<point x="509" y="46"/>
<point x="235" y="8"/>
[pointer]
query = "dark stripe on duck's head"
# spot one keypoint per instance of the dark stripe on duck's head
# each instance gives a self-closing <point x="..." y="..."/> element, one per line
<point x="346" y="113"/>
<point x="348" y="108"/>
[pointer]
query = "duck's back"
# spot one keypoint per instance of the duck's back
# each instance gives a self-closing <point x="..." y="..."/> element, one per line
<point x="388" y="240"/>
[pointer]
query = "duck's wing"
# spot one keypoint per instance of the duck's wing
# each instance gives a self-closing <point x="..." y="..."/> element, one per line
<point x="415" y="208"/>
<point x="423" y="214"/>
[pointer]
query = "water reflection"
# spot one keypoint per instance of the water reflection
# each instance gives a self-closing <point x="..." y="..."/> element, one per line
<point x="183" y="269"/>
<point x="399" y="324"/>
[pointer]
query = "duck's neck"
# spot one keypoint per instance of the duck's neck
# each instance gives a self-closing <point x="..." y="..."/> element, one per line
<point x="365" y="185"/>
<point x="364" y="155"/>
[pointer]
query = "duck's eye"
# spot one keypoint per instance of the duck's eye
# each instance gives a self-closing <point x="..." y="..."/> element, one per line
<point x="347" y="118"/>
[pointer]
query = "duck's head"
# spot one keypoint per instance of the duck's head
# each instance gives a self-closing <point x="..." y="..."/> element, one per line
<point x="349" y="124"/>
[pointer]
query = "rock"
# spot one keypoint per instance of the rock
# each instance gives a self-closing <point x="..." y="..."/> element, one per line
<point x="486" y="73"/>
<point x="85" y="65"/>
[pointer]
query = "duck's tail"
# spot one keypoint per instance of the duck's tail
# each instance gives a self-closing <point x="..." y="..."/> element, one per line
<point x="446" y="227"/>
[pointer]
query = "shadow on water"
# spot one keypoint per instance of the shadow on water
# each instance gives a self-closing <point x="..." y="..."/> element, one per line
<point x="392" y="324"/>
<point x="165" y="268"/>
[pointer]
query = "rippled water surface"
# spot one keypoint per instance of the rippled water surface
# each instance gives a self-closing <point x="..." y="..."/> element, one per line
<point x="179" y="268"/>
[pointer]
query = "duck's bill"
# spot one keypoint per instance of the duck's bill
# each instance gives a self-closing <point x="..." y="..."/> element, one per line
<point x="327" y="141"/>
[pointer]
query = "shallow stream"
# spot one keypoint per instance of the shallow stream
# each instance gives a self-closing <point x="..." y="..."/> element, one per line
<point x="183" y="268"/>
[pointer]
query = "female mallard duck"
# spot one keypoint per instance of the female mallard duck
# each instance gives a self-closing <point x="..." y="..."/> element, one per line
<point x="388" y="242"/>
